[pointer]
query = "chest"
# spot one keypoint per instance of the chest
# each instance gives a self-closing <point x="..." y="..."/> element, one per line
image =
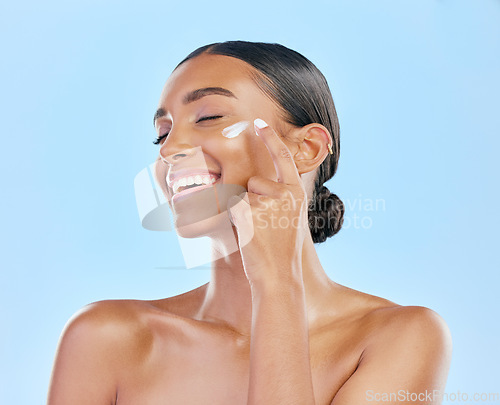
<point x="211" y="371"/>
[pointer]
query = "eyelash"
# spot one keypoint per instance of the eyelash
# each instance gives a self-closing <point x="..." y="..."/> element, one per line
<point x="209" y="118"/>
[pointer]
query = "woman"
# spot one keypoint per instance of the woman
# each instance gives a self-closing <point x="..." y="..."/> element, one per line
<point x="270" y="327"/>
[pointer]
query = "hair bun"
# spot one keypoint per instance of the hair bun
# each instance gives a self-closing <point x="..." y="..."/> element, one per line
<point x="326" y="215"/>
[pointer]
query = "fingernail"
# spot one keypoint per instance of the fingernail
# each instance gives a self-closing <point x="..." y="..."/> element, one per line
<point x="259" y="124"/>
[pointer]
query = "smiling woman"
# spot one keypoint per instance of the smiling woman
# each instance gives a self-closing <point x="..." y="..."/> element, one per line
<point x="270" y="327"/>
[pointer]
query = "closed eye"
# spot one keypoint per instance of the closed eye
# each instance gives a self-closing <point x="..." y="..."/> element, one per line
<point x="158" y="140"/>
<point x="211" y="117"/>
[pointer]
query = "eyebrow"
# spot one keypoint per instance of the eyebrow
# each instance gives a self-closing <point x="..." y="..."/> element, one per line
<point x="196" y="95"/>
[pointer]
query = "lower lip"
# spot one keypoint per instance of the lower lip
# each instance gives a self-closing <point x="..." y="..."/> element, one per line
<point x="189" y="191"/>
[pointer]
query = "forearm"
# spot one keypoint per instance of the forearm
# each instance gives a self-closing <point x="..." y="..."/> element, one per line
<point x="280" y="371"/>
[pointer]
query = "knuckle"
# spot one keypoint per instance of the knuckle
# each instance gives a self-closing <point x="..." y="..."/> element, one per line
<point x="253" y="179"/>
<point x="284" y="153"/>
<point x="254" y="183"/>
<point x="284" y="194"/>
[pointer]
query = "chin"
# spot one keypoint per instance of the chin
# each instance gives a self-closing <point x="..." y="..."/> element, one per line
<point x="214" y="226"/>
<point x="204" y="213"/>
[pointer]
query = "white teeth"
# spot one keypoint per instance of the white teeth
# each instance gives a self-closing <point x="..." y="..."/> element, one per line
<point x="190" y="180"/>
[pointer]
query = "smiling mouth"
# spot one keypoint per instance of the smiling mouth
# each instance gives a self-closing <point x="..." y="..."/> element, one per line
<point x="184" y="185"/>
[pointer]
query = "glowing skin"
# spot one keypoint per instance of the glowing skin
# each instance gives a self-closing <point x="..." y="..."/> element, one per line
<point x="205" y="179"/>
<point x="290" y="335"/>
<point x="235" y="130"/>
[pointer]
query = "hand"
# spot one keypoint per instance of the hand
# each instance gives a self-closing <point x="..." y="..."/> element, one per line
<point x="271" y="218"/>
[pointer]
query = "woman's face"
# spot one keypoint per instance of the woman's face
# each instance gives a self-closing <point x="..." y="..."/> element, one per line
<point x="195" y="118"/>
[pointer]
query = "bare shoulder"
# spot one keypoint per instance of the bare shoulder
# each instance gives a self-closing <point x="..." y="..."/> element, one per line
<point x="118" y="323"/>
<point x="123" y="331"/>
<point x="387" y="317"/>
<point x="412" y="323"/>
<point x="123" y="324"/>
<point x="409" y="335"/>
<point x="400" y="347"/>
<point x="400" y="315"/>
<point x="98" y="341"/>
<point x="115" y="330"/>
<point x="386" y="325"/>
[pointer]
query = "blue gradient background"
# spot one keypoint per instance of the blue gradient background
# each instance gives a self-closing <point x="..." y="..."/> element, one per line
<point x="416" y="88"/>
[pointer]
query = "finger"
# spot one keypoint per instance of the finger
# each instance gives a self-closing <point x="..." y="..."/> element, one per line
<point x="282" y="157"/>
<point x="262" y="186"/>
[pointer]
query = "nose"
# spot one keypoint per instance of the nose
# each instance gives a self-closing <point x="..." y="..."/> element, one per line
<point x="175" y="148"/>
<point x="178" y="156"/>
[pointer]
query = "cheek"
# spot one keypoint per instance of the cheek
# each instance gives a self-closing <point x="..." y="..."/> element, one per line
<point x="235" y="130"/>
<point x="246" y="156"/>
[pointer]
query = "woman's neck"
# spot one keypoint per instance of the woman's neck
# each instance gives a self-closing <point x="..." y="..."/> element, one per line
<point x="227" y="297"/>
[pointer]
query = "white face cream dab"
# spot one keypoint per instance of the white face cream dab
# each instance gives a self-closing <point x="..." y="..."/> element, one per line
<point x="234" y="130"/>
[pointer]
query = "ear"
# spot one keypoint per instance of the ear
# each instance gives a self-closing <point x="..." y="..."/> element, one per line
<point x="311" y="143"/>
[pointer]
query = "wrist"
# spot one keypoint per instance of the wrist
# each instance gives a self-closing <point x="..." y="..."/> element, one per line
<point x="278" y="284"/>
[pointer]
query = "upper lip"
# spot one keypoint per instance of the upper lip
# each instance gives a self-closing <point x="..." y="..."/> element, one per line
<point x="192" y="171"/>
